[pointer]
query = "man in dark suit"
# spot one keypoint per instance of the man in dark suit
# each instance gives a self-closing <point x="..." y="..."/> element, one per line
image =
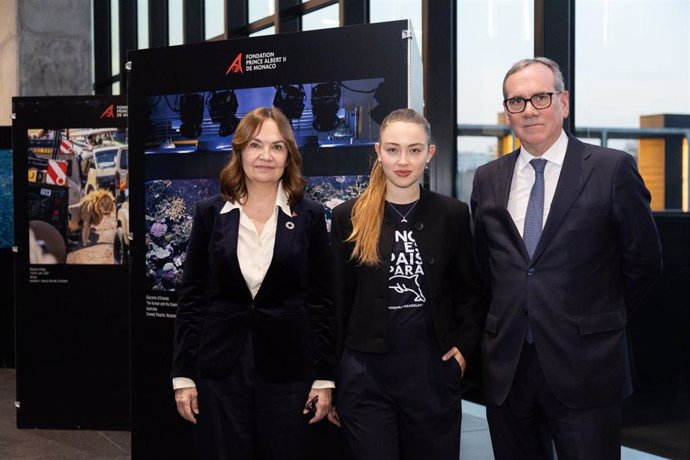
<point x="567" y="244"/>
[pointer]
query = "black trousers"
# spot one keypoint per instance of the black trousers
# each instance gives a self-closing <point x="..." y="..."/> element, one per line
<point x="402" y="405"/>
<point x="244" y="417"/>
<point x="524" y="425"/>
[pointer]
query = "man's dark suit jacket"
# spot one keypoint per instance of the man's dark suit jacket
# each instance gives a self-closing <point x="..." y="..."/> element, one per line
<point x="599" y="253"/>
<point x="441" y="227"/>
<point x="290" y="319"/>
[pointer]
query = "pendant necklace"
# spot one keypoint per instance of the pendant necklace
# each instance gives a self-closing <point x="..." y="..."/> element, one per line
<point x="404" y="216"/>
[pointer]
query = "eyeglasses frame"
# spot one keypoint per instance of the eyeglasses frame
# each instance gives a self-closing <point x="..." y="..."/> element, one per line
<point x="526" y="100"/>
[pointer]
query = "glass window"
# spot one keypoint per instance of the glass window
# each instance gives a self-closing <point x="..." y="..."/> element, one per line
<point x="633" y="71"/>
<point x="325" y="18"/>
<point x="633" y="68"/>
<point x="142" y="24"/>
<point x="392" y="10"/>
<point x="259" y="9"/>
<point x="491" y="36"/>
<point x="632" y="59"/>
<point x="214" y="12"/>
<point x="175" y="22"/>
<point x="267" y="31"/>
<point x="115" y="37"/>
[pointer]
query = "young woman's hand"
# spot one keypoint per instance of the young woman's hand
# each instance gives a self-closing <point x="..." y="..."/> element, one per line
<point x="455" y="353"/>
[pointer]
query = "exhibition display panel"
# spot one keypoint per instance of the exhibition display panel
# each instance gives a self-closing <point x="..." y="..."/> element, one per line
<point x="71" y="295"/>
<point x="335" y="86"/>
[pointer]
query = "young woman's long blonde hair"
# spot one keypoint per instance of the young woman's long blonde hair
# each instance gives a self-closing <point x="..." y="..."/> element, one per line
<point x="367" y="213"/>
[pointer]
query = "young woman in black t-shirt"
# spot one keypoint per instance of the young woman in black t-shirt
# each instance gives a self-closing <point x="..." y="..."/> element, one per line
<point x="407" y="306"/>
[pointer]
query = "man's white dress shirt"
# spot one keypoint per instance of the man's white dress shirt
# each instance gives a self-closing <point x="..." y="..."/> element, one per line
<point x="523" y="179"/>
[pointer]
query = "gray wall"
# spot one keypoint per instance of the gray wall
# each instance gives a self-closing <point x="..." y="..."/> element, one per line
<point x="45" y="50"/>
<point x="9" y="73"/>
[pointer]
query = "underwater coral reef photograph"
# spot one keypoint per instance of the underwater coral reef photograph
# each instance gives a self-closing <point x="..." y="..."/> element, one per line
<point x="169" y="212"/>
<point x="333" y="190"/>
<point x="6" y="200"/>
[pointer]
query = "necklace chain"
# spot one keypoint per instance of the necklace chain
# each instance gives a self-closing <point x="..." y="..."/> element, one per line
<point x="404" y="216"/>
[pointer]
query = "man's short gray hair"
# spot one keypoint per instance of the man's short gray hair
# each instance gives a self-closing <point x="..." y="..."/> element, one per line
<point x="551" y="64"/>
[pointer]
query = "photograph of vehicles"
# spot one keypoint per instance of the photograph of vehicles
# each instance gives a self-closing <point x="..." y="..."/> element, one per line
<point x="77" y="184"/>
<point x="323" y="115"/>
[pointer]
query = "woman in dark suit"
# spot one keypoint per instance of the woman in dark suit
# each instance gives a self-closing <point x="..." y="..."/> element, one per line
<point x="253" y="346"/>
<point x="407" y="311"/>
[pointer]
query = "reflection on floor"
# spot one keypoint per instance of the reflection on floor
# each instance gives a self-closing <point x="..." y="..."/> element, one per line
<point x="115" y="445"/>
<point x="476" y="444"/>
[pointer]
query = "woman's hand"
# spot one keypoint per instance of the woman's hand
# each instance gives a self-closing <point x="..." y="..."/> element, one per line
<point x="455" y="353"/>
<point x="322" y="407"/>
<point x="187" y="403"/>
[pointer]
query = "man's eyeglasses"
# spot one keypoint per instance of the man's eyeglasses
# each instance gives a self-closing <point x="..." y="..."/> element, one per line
<point x="539" y="101"/>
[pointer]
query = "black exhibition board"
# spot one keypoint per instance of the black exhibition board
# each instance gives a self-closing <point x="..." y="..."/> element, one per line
<point x="334" y="85"/>
<point x="72" y="298"/>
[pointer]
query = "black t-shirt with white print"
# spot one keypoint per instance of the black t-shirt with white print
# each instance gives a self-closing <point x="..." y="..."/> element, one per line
<point x="406" y="282"/>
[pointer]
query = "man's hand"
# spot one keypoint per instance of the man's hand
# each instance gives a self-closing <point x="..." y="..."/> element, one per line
<point x="187" y="403"/>
<point x="333" y="417"/>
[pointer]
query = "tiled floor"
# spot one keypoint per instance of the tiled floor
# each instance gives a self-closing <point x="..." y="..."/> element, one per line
<point x="25" y="444"/>
<point x="29" y="444"/>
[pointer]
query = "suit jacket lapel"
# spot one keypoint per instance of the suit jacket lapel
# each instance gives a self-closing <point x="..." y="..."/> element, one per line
<point x="572" y="179"/>
<point x="285" y="234"/>
<point x="423" y="237"/>
<point x="506" y="167"/>
<point x="230" y="223"/>
<point x="504" y="180"/>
